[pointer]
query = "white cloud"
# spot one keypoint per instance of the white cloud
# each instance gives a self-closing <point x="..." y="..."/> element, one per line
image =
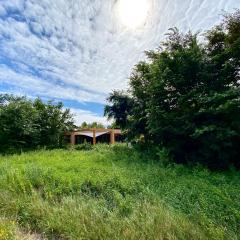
<point x="79" y="50"/>
<point x="34" y="85"/>
<point x="81" y="116"/>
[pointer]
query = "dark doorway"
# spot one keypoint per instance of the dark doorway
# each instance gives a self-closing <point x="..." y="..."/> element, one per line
<point x="104" y="138"/>
<point x="80" y="139"/>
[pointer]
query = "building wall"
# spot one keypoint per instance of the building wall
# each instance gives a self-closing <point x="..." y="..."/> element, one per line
<point x="108" y="136"/>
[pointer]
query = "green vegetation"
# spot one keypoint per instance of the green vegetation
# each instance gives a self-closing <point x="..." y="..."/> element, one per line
<point x="183" y="106"/>
<point x="26" y="124"/>
<point x="185" y="97"/>
<point x="85" y="125"/>
<point x="114" y="192"/>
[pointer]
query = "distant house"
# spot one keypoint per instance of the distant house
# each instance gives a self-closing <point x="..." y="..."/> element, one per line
<point x="94" y="136"/>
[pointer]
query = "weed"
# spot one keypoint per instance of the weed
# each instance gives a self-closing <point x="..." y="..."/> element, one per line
<point x="115" y="192"/>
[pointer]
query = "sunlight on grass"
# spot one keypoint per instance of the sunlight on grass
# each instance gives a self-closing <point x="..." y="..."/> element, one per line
<point x="115" y="193"/>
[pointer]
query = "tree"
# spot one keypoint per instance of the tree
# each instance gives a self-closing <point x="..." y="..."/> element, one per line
<point x="18" y="127"/>
<point x="28" y="124"/>
<point x="185" y="97"/>
<point x="84" y="125"/>
<point x="119" y="109"/>
<point x="92" y="125"/>
<point x="191" y="98"/>
<point x="53" y="122"/>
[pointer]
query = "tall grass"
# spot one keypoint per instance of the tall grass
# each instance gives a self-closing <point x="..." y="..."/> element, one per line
<point x="114" y="193"/>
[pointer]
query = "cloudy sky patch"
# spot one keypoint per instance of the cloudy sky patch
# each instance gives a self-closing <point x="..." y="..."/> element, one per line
<point x="78" y="51"/>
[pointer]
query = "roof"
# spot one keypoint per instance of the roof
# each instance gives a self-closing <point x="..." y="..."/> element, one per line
<point x="97" y="130"/>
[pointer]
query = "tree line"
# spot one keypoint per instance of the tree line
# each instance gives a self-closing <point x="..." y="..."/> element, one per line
<point x="27" y="124"/>
<point x="86" y="125"/>
<point x="185" y="99"/>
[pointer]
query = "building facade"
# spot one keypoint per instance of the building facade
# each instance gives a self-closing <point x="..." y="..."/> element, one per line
<point x="94" y="136"/>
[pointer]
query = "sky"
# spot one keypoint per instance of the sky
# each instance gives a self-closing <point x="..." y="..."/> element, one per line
<point x="78" y="51"/>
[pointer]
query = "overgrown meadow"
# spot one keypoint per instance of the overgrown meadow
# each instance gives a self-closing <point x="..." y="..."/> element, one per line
<point x="114" y="192"/>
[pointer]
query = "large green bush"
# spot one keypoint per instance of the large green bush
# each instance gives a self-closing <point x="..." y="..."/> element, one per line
<point x="186" y="96"/>
<point x="28" y="124"/>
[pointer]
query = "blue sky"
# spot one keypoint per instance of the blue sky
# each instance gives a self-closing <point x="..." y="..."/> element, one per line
<point x="78" y="51"/>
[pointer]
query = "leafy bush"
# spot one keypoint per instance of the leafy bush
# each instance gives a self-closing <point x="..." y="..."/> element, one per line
<point x="26" y="124"/>
<point x="84" y="147"/>
<point x="186" y="97"/>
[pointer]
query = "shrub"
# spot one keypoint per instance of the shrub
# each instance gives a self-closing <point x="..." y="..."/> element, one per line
<point x="84" y="147"/>
<point x="26" y="124"/>
<point x="186" y="97"/>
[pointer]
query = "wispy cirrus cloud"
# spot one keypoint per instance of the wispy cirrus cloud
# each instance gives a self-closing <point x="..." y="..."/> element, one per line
<point x="78" y="50"/>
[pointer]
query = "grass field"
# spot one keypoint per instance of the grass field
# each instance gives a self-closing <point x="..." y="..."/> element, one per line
<point x="114" y="193"/>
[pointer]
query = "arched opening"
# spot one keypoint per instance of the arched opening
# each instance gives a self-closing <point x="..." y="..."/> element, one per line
<point x="105" y="138"/>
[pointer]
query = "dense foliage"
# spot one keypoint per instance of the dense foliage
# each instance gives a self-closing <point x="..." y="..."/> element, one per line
<point x="185" y="97"/>
<point x="114" y="193"/>
<point x="28" y="124"/>
<point x="120" y="109"/>
<point x="86" y="125"/>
